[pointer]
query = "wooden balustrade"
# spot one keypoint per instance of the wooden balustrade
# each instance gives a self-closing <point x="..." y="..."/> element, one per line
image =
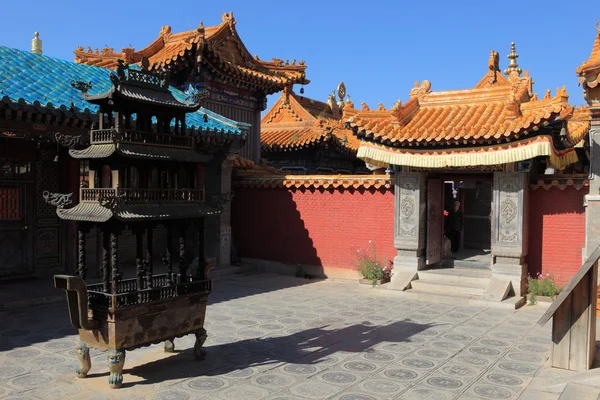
<point x="128" y="295"/>
<point x="144" y="196"/>
<point x="95" y="194"/>
<point x="573" y="315"/>
<point x="100" y="136"/>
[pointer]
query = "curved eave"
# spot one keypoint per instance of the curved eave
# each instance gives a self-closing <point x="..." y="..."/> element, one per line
<point x="85" y="211"/>
<point x="146" y="212"/>
<point x="145" y="152"/>
<point x="96" y="98"/>
<point x="94" y="212"/>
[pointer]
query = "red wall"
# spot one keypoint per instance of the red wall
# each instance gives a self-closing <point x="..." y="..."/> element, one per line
<point x="312" y="226"/>
<point x="556" y="232"/>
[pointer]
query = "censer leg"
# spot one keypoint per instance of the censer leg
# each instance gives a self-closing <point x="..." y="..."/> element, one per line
<point x="170" y="346"/>
<point x="199" y="352"/>
<point x="116" y="361"/>
<point x="83" y="354"/>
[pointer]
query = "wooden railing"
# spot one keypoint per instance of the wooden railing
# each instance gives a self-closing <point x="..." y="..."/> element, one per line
<point x="124" y="298"/>
<point x="573" y="316"/>
<point x="104" y="136"/>
<point x="86" y="194"/>
<point x="143" y="196"/>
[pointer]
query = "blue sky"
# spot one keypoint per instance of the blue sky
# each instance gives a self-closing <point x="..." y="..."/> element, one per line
<point x="378" y="48"/>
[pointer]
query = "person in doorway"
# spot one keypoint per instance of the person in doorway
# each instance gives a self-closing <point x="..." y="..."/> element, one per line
<point x="456" y="225"/>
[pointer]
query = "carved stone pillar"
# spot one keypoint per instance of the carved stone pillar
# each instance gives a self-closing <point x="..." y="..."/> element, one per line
<point x="510" y="230"/>
<point x="409" y="227"/>
<point x="592" y="199"/>
<point x="225" y="228"/>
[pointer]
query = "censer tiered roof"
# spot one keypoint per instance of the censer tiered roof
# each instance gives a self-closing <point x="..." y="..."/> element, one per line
<point x="216" y="48"/>
<point x="498" y="121"/>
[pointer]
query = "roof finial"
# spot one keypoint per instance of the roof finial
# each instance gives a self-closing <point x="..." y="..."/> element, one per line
<point x="494" y="63"/>
<point x="36" y="44"/>
<point x="512" y="65"/>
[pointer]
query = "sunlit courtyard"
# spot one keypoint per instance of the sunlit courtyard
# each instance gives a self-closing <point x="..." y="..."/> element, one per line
<point x="278" y="337"/>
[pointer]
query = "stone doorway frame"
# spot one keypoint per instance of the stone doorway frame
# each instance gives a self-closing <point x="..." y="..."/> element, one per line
<point x="509" y="231"/>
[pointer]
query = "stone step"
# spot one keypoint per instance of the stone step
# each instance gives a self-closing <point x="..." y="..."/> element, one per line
<point x="456" y="276"/>
<point x="580" y="392"/>
<point x="512" y="303"/>
<point x="444" y="287"/>
<point x="485" y="265"/>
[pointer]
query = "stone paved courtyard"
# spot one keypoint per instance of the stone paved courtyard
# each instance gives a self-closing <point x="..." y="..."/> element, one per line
<point x="278" y="337"/>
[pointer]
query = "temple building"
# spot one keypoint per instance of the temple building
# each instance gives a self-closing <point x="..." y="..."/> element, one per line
<point x="305" y="136"/>
<point x="42" y="116"/>
<point x="487" y="140"/>
<point x="496" y="168"/>
<point x="213" y="62"/>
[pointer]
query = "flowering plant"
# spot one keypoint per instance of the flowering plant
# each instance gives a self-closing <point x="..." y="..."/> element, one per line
<point x="370" y="267"/>
<point x="541" y="285"/>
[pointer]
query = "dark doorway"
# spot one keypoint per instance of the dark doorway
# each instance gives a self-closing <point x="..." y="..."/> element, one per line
<point x="469" y="227"/>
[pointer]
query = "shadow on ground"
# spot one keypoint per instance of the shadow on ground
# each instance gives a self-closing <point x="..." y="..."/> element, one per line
<point x="304" y="348"/>
<point x="27" y="326"/>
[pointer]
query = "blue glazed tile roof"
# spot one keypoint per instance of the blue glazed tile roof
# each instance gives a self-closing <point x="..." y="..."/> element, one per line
<point x="42" y="82"/>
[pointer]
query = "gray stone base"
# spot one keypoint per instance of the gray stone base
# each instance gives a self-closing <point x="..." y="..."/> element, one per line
<point x="401" y="279"/>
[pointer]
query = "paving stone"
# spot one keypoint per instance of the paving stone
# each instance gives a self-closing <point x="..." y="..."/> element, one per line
<point x="317" y="339"/>
<point x="243" y="391"/>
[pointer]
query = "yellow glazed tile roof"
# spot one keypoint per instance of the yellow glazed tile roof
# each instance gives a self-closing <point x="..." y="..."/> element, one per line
<point x="296" y="122"/>
<point x="224" y="46"/>
<point x="461" y="127"/>
<point x="315" y="181"/>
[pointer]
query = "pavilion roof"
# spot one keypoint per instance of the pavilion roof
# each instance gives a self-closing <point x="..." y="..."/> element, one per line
<point x="42" y="84"/>
<point x="496" y="114"/>
<point x="222" y="46"/>
<point x="589" y="71"/>
<point x="296" y="122"/>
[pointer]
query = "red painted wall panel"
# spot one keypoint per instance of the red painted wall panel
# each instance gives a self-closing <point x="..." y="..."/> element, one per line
<point x="556" y="232"/>
<point x="312" y="226"/>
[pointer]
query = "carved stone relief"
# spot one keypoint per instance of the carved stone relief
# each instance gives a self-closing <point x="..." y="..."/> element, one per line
<point x="225" y="251"/>
<point x="509" y="209"/>
<point x="407" y="210"/>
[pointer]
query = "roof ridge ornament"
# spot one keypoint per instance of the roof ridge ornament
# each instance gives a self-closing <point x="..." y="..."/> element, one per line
<point x="36" y="44"/>
<point x="494" y="61"/>
<point x="422" y="90"/>
<point x="341" y="92"/>
<point x="512" y="65"/>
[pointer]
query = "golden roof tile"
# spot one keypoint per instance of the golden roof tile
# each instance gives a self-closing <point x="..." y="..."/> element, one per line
<point x="296" y="122"/>
<point x="451" y="126"/>
<point x="224" y="47"/>
<point x="578" y="124"/>
<point x="314" y="181"/>
<point x="497" y="109"/>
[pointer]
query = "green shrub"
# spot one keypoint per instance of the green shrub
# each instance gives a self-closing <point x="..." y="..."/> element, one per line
<point x="541" y="285"/>
<point x="369" y="266"/>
